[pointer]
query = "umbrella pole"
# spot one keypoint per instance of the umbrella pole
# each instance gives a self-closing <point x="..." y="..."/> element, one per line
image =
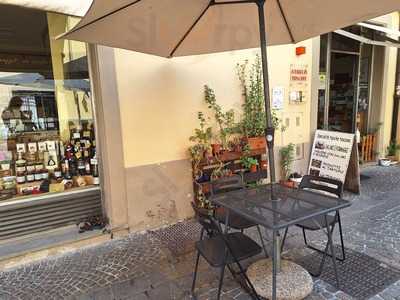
<point x="270" y="131"/>
<point x="269" y="136"/>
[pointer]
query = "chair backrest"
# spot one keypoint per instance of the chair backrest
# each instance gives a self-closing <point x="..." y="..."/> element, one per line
<point x="227" y="184"/>
<point x="322" y="184"/>
<point x="206" y="220"/>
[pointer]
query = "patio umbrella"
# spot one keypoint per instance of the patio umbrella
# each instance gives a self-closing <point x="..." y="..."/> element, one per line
<point x="189" y="27"/>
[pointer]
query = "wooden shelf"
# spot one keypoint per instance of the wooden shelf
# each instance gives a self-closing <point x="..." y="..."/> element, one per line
<point x="229" y="156"/>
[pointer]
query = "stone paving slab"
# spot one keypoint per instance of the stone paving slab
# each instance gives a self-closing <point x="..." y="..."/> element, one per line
<point x="157" y="266"/>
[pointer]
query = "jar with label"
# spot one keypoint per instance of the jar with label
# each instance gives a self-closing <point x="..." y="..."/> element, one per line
<point x="30" y="176"/>
<point x="39" y="166"/>
<point x="45" y="174"/>
<point x="37" y="175"/>
<point x="9" y="182"/>
<point x="21" y="177"/>
<point x="30" y="167"/>
<point x="57" y="173"/>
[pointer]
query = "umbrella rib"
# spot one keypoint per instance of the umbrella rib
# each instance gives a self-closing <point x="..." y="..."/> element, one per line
<point x="190" y="29"/>
<point x="284" y="18"/>
<point x="105" y="16"/>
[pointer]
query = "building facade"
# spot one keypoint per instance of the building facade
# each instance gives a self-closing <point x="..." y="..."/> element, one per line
<point x="136" y="112"/>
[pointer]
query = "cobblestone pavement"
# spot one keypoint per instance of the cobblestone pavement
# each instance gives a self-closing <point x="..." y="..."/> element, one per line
<point x="158" y="265"/>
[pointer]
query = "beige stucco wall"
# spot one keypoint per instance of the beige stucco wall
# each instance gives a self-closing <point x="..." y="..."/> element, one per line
<point x="159" y="100"/>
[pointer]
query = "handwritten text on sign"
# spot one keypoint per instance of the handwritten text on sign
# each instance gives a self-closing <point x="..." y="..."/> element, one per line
<point x="330" y="154"/>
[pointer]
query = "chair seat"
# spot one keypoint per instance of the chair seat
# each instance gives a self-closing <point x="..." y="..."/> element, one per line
<point x="235" y="220"/>
<point x="312" y="224"/>
<point x="213" y="249"/>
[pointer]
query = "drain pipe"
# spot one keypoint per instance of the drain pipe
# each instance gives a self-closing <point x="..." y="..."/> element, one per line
<point x="396" y="99"/>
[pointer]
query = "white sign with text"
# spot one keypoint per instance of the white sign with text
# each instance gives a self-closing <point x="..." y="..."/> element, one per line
<point x="330" y="154"/>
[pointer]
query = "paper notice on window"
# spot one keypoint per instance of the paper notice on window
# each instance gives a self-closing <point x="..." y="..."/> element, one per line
<point x="330" y="154"/>
<point x="278" y="94"/>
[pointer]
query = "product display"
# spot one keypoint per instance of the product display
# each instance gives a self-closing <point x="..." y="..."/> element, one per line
<point x="44" y="162"/>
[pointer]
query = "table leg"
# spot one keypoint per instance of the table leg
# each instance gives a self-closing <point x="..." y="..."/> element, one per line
<point x="276" y="263"/>
<point x="226" y="221"/>
<point x="330" y="242"/>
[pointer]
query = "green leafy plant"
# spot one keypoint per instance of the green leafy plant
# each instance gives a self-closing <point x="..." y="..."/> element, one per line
<point x="202" y="139"/>
<point x="247" y="160"/>
<point x="392" y="148"/>
<point x="253" y="123"/>
<point x="225" y="119"/>
<point x="287" y="159"/>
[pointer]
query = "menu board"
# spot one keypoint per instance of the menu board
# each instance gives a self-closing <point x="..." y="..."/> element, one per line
<point x="330" y="154"/>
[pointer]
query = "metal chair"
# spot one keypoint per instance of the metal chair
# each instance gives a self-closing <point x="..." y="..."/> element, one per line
<point x="331" y="187"/>
<point x="236" y="222"/>
<point x="222" y="250"/>
<point x="325" y="185"/>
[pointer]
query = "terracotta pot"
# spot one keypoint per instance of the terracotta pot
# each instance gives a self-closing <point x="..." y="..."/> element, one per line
<point x="287" y="183"/>
<point x="253" y="169"/>
<point x="256" y="143"/>
<point x="263" y="165"/>
<point x="216" y="149"/>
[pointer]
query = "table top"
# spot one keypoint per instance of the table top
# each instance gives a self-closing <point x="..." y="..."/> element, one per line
<point x="292" y="206"/>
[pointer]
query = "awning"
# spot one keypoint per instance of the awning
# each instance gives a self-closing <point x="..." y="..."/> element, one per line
<point x="379" y="37"/>
<point x="76" y="8"/>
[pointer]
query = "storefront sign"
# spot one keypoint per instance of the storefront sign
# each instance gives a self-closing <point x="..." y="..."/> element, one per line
<point x="298" y="83"/>
<point x="330" y="154"/>
<point x="278" y="94"/>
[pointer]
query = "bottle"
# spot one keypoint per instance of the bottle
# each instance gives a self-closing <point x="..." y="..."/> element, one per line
<point x="88" y="168"/>
<point x="51" y="162"/>
<point x="67" y="173"/>
<point x="95" y="168"/>
<point x="20" y="164"/>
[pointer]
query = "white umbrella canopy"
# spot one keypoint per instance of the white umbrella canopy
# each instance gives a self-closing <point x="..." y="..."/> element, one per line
<point x="183" y="27"/>
<point x="189" y="27"/>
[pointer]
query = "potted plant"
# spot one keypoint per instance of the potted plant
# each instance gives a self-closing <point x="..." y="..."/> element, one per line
<point x="287" y="159"/>
<point x="253" y="123"/>
<point x="392" y="150"/>
<point x="225" y="121"/>
<point x="248" y="162"/>
<point x="202" y="136"/>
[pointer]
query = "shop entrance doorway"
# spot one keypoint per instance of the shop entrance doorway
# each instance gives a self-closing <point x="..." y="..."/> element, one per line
<point x="343" y="91"/>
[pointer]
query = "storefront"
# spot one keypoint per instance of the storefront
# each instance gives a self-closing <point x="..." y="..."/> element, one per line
<point x="354" y="75"/>
<point x="140" y="110"/>
<point x="49" y="175"/>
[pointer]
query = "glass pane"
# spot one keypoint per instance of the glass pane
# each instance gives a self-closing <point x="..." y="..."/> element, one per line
<point x="342" y="43"/>
<point x="342" y="91"/>
<point x="364" y="88"/>
<point x="47" y="140"/>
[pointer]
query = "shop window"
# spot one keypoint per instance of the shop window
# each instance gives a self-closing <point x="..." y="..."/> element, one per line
<point x="47" y="129"/>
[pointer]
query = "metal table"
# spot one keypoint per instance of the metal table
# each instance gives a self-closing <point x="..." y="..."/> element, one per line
<point x="277" y="207"/>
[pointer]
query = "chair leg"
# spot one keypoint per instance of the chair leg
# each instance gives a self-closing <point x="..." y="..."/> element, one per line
<point x="341" y="239"/>
<point x="322" y="251"/>
<point x="284" y="238"/>
<point x="195" y="273"/>
<point x="262" y="241"/>
<point x="305" y="237"/>
<point x="221" y="280"/>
